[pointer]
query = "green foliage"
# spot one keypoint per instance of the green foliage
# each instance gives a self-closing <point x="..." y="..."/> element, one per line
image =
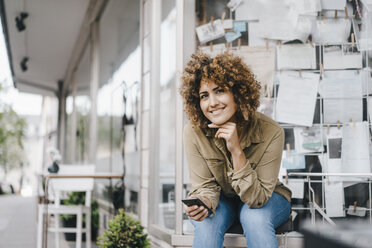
<point x="124" y="231"/>
<point x="12" y="133"/>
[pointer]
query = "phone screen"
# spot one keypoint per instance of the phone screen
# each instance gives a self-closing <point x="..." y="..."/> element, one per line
<point x="196" y="201"/>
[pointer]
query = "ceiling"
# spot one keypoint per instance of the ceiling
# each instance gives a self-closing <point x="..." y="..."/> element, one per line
<point x="52" y="31"/>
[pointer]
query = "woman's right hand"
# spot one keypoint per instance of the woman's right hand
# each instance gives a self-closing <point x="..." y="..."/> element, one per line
<point x="197" y="213"/>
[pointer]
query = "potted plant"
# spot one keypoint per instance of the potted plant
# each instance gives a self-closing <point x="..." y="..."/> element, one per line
<point x="75" y="198"/>
<point x="124" y="231"/>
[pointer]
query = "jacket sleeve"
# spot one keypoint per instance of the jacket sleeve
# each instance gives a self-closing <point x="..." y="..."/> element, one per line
<point x="255" y="187"/>
<point x="202" y="180"/>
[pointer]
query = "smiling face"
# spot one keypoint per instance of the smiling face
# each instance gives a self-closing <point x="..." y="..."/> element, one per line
<point x="216" y="103"/>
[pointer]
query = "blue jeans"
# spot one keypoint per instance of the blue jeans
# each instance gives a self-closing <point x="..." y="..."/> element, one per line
<point x="258" y="223"/>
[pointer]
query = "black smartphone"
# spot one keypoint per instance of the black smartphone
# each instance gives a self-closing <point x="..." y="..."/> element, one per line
<point x="196" y="201"/>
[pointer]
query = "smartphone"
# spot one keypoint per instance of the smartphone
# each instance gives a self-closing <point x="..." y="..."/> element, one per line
<point x="198" y="202"/>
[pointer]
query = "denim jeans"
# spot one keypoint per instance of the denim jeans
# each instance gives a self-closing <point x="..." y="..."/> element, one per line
<point x="258" y="223"/>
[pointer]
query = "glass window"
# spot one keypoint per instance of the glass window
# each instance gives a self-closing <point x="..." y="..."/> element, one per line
<point x="118" y="104"/>
<point x="167" y="115"/>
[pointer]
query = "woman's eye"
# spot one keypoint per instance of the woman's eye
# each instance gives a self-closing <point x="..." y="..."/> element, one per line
<point x="219" y="91"/>
<point x="203" y="96"/>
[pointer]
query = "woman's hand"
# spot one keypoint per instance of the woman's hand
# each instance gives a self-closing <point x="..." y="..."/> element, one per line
<point x="197" y="213"/>
<point x="229" y="133"/>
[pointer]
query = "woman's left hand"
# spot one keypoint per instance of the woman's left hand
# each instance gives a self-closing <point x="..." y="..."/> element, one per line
<point x="229" y="133"/>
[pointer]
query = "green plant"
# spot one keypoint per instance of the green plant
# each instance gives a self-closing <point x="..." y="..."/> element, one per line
<point x="76" y="198"/>
<point x="124" y="231"/>
<point x="12" y="134"/>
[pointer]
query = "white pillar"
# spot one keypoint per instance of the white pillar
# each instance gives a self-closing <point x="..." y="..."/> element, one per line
<point x="73" y="121"/>
<point x="94" y="83"/>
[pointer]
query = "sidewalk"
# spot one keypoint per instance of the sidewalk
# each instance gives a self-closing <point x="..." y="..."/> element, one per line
<point x="17" y="221"/>
<point x="18" y="224"/>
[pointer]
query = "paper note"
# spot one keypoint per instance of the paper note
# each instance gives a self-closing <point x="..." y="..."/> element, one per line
<point x="233" y="4"/>
<point x="331" y="31"/>
<point x="334" y="199"/>
<point x="357" y="211"/>
<point x="332" y="162"/>
<point x="248" y="10"/>
<point x="214" y="49"/>
<point x="305" y="7"/>
<point x="297" y="187"/>
<point x="366" y="75"/>
<point x="281" y="22"/>
<point x="355" y="148"/>
<point x="209" y="32"/>
<point x="308" y="140"/>
<point x="228" y="23"/>
<point x="267" y="106"/>
<point x="341" y="57"/>
<point x="231" y="36"/>
<point x="262" y="63"/>
<point x="254" y="39"/>
<point x="342" y="93"/>
<point x="240" y="26"/>
<point x="296" y="98"/>
<point x="293" y="161"/>
<point x="333" y="4"/>
<point x="296" y="56"/>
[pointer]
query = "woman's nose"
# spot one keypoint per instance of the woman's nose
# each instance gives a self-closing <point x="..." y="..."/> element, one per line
<point x="213" y="101"/>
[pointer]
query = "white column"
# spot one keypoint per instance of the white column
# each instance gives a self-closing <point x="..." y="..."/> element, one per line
<point x="154" y="193"/>
<point x="94" y="83"/>
<point x="73" y="121"/>
<point x="179" y="118"/>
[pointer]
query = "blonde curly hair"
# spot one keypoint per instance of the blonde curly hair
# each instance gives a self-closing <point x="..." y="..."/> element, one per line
<point x="228" y="72"/>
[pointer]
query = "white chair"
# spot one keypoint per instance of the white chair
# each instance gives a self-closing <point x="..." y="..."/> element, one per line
<point x="59" y="186"/>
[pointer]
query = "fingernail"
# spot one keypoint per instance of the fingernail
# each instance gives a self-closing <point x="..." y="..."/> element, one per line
<point x="201" y="208"/>
<point x="195" y="207"/>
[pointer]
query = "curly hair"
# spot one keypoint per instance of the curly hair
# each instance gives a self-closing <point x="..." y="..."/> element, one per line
<point x="228" y="72"/>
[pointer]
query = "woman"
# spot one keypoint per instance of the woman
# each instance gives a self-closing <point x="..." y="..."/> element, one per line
<point x="233" y="153"/>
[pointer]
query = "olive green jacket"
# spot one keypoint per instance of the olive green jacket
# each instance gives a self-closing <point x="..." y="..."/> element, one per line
<point x="211" y="170"/>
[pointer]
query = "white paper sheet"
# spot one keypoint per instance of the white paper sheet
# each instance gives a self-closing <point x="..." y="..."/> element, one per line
<point x="248" y="10"/>
<point x="293" y="160"/>
<point x="262" y="63"/>
<point x="207" y="32"/>
<point x="342" y="93"/>
<point x="297" y="98"/>
<point x="233" y="4"/>
<point x="277" y="21"/>
<point x="341" y="57"/>
<point x="296" y="56"/>
<point x="355" y="148"/>
<point x="333" y="163"/>
<point x="305" y="7"/>
<point x="214" y="50"/>
<point x="280" y="22"/>
<point x="366" y="81"/>
<point x="331" y="31"/>
<point x="267" y="106"/>
<point x="358" y="211"/>
<point x="308" y="140"/>
<point x="297" y="187"/>
<point x="254" y="39"/>
<point x="333" y="4"/>
<point x="228" y="23"/>
<point x="334" y="199"/>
